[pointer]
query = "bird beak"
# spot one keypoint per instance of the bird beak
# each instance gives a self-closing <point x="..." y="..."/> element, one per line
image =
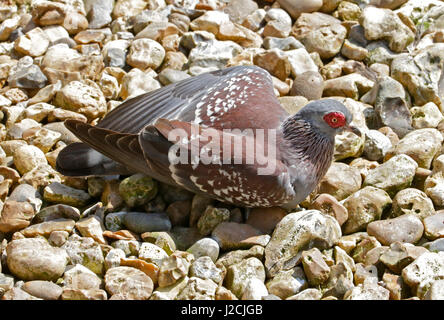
<point x="354" y="130"/>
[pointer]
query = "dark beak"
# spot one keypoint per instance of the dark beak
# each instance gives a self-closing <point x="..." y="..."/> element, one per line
<point x="354" y="130"/>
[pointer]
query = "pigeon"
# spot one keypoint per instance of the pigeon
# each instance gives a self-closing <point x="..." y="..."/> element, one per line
<point x="222" y="134"/>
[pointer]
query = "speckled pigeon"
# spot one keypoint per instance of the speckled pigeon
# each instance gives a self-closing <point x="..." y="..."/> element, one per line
<point x="135" y="137"/>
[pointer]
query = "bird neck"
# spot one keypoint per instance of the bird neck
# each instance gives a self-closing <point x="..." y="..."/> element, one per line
<point x="305" y="147"/>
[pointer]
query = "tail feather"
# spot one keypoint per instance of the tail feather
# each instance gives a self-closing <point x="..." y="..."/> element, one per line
<point x="79" y="159"/>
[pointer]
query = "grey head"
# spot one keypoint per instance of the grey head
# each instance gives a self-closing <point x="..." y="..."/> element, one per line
<point x="328" y="117"/>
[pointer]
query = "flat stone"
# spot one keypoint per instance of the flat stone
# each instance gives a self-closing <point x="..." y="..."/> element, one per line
<point x="60" y="193"/>
<point x="232" y="235"/>
<point x="45" y="290"/>
<point x="46" y="228"/>
<point x="57" y="211"/>
<point x="141" y="222"/>
<point x="15" y="216"/>
<point x="406" y="228"/>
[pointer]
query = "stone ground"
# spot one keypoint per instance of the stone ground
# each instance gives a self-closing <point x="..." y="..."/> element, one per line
<point x="374" y="227"/>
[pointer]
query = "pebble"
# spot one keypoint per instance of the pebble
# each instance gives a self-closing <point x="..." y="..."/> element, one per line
<point x="91" y="227"/>
<point x="400" y="255"/>
<point x="126" y="283"/>
<point x="198" y="289"/>
<point x="35" y="259"/>
<point x="84" y="97"/>
<point x="320" y="33"/>
<point x="255" y="290"/>
<point x="85" y="251"/>
<point x="434" y="226"/>
<point x="179" y="212"/>
<point x="295" y="8"/>
<point x="309" y="85"/>
<point x="80" y="277"/>
<point x="152" y="254"/>
<point x="46" y="228"/>
<point x="329" y="205"/>
<point x="239" y="275"/>
<point x="395" y="174"/>
<point x="285" y="251"/>
<point x="421" y="145"/>
<point x="385" y="24"/>
<point x="15" y="216"/>
<point x="412" y="201"/>
<point x="174" y="267"/>
<point x="34" y="43"/>
<point x="145" y="53"/>
<point x="60" y="193"/>
<point x="206" y="247"/>
<point x="421" y="273"/>
<point x="315" y="268"/>
<point x="340" y="181"/>
<point x="265" y="219"/>
<point x="160" y="239"/>
<point x="27" y="157"/>
<point x="45" y="290"/>
<point x="205" y="268"/>
<point x="369" y="290"/>
<point x="406" y="228"/>
<point x="436" y="291"/>
<point x="232" y="235"/>
<point x="365" y="206"/>
<point x="140" y="222"/>
<point x="426" y="116"/>
<point x="287" y="283"/>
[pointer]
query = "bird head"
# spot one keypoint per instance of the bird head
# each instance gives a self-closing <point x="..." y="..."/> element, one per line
<point x="329" y="117"/>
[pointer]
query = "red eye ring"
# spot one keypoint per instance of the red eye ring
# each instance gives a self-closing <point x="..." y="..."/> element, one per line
<point x="335" y="119"/>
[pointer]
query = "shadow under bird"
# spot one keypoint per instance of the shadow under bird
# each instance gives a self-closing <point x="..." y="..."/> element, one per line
<point x="134" y="138"/>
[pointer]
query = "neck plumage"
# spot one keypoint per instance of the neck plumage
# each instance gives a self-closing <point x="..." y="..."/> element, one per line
<point x="305" y="147"/>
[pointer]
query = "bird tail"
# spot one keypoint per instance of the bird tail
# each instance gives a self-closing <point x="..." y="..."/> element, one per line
<point x="80" y="160"/>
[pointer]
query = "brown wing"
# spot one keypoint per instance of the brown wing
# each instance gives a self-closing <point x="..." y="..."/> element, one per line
<point x="227" y="176"/>
<point x="235" y="97"/>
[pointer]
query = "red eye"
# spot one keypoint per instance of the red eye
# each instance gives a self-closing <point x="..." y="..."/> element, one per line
<point x="335" y="119"/>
